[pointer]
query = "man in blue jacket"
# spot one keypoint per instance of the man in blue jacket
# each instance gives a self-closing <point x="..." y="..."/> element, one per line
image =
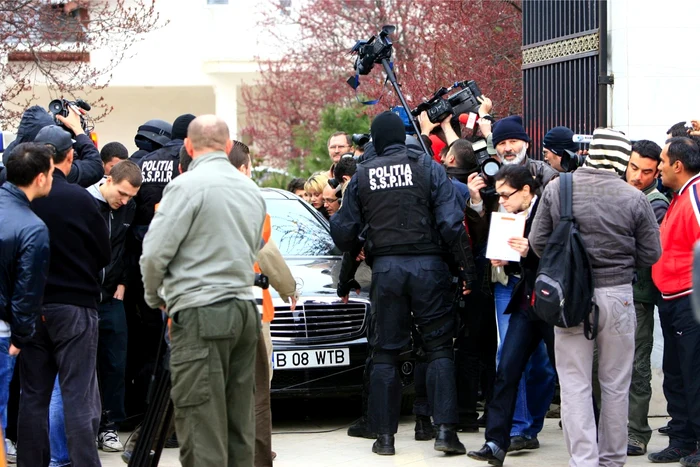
<point x="24" y="256"/>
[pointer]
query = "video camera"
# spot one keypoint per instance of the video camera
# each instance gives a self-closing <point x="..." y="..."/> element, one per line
<point x="571" y="161"/>
<point x="488" y="167"/>
<point x="438" y="107"/>
<point x="360" y="139"/>
<point x="61" y="107"/>
<point x="373" y="50"/>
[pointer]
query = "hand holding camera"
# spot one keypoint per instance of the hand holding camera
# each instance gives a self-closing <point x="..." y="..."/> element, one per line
<point x="486" y="105"/>
<point x="426" y="126"/>
<point x="72" y="121"/>
<point x="475" y="183"/>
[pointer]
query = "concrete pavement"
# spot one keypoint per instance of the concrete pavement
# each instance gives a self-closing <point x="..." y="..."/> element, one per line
<point x="300" y="443"/>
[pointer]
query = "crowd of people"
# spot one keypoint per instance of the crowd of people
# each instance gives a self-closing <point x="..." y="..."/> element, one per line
<point x="106" y="257"/>
<point x="94" y="272"/>
<point x="636" y="207"/>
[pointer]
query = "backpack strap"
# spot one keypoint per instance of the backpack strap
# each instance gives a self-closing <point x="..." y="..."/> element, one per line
<point x="566" y="195"/>
<point x="590" y="331"/>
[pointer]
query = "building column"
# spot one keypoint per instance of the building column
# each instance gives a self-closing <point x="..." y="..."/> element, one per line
<point x="226" y="101"/>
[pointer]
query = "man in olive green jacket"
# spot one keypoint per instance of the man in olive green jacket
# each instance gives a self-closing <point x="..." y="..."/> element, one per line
<point x="642" y="172"/>
<point x="197" y="263"/>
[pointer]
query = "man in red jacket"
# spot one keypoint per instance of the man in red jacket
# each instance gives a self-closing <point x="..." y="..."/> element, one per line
<point x="672" y="274"/>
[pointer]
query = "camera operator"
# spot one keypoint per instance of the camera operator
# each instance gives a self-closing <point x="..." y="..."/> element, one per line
<point x="460" y="162"/>
<point x="511" y="143"/>
<point x="151" y="136"/>
<point x="87" y="168"/>
<point x="409" y="210"/>
<point x="555" y="142"/>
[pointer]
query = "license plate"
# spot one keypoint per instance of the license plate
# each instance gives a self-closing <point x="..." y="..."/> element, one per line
<point x="316" y="358"/>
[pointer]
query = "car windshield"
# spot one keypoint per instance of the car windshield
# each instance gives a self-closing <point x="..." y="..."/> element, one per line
<point x="297" y="231"/>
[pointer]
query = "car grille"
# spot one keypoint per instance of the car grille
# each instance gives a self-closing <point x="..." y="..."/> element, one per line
<point x="316" y="322"/>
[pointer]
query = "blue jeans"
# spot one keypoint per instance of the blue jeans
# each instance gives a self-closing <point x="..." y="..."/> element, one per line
<point x="7" y="367"/>
<point x="57" y="429"/>
<point x="530" y="406"/>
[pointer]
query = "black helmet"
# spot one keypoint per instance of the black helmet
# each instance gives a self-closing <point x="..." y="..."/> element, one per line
<point x="157" y="131"/>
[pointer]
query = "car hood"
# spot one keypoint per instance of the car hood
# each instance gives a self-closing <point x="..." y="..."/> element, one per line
<point x="318" y="277"/>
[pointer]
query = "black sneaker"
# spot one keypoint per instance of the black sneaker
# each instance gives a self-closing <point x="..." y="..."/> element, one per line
<point x="692" y="460"/>
<point x="664" y="430"/>
<point x="669" y="455"/>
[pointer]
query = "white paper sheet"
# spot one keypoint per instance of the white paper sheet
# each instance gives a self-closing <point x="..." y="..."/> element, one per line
<point x="503" y="227"/>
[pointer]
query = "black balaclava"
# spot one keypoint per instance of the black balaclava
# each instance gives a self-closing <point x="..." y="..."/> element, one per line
<point x="387" y="129"/>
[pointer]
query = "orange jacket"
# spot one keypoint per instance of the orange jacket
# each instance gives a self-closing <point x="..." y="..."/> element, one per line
<point x="268" y="306"/>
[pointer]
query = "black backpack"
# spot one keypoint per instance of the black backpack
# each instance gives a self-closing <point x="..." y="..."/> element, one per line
<point x="564" y="282"/>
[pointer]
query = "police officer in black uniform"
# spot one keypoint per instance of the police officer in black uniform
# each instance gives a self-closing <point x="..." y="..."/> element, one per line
<point x="407" y="211"/>
<point x="145" y="326"/>
<point x="151" y="136"/>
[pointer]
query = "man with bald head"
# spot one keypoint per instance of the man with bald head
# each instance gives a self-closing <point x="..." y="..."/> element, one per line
<point x="197" y="264"/>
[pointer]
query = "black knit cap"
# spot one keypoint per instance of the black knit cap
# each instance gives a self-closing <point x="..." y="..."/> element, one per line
<point x="509" y="128"/>
<point x="559" y="139"/>
<point x="180" y="126"/>
<point x="387" y="129"/>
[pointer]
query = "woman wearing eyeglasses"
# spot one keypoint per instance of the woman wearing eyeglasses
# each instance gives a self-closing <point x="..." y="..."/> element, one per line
<point x="516" y="188"/>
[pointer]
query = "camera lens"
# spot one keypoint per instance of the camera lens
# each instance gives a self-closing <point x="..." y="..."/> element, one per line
<point x="55" y="106"/>
<point x="491" y="167"/>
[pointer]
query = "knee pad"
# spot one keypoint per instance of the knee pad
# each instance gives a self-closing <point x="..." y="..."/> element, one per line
<point x="387" y="357"/>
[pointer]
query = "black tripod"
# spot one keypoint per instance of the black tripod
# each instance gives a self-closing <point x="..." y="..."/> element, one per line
<point x="156" y="424"/>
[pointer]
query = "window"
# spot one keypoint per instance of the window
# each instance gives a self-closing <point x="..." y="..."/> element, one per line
<point x="298" y="232"/>
<point x="217" y="2"/>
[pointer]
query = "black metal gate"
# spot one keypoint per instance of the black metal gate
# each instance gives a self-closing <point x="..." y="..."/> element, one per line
<point x="564" y="67"/>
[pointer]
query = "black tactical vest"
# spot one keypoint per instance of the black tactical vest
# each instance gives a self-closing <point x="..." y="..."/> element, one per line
<point x="395" y="197"/>
<point x="157" y="169"/>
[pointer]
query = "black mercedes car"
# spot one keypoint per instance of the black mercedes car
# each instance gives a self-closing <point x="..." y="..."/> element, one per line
<point x="320" y="348"/>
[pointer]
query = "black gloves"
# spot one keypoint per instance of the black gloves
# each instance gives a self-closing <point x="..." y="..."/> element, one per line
<point x="345" y="288"/>
<point x="462" y="250"/>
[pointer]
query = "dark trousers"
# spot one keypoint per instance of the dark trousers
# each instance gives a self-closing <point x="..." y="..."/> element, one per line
<point x="421" y="406"/>
<point x="65" y="342"/>
<point x="145" y="331"/>
<point x="640" y="389"/>
<point x="111" y="362"/>
<point x="475" y="355"/>
<point x="263" y="416"/>
<point x="411" y="290"/>
<point x="522" y="338"/>
<point x="681" y="365"/>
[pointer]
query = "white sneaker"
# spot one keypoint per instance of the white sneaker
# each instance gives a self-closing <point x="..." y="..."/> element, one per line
<point x="108" y="441"/>
<point x="10" y="452"/>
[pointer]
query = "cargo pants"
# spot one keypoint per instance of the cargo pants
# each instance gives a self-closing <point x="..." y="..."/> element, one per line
<point x="212" y="364"/>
